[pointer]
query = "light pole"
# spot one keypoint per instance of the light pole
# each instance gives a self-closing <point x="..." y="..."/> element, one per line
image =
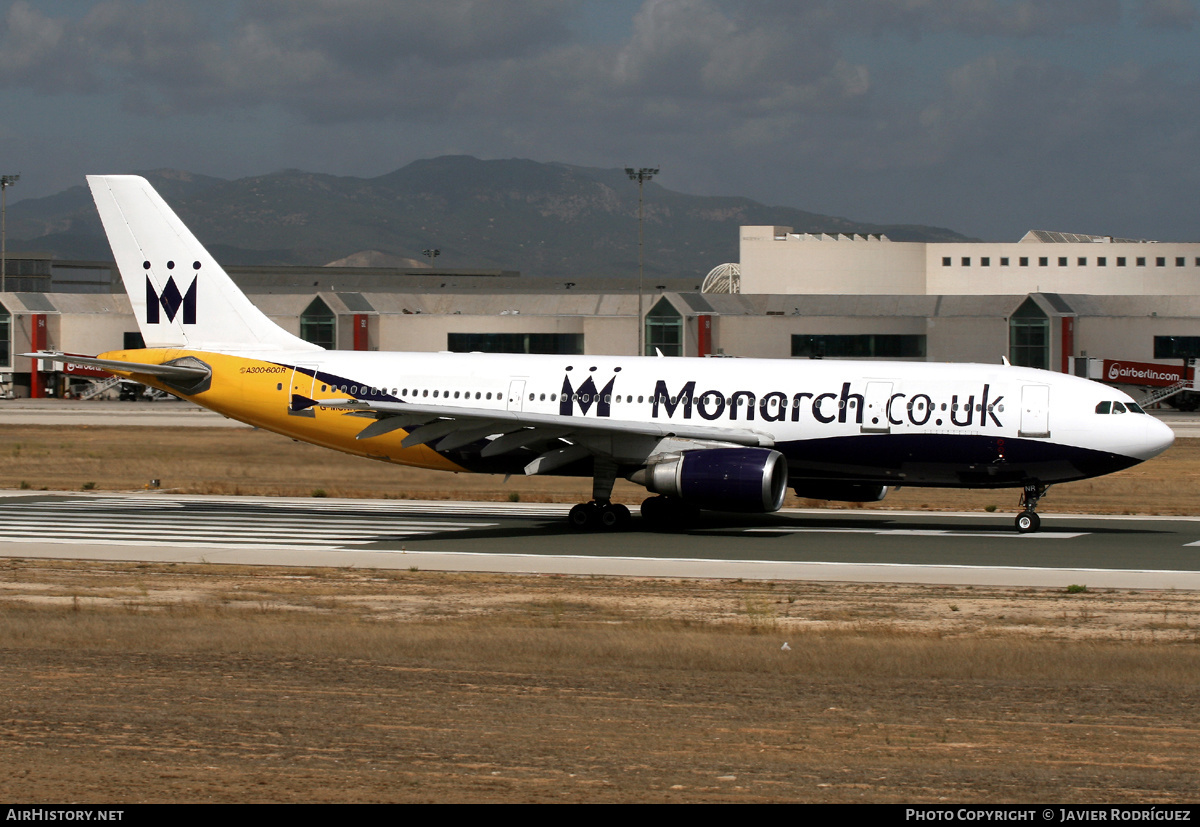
<point x="6" y="181"/>
<point x="641" y="176"/>
<point x="433" y="253"/>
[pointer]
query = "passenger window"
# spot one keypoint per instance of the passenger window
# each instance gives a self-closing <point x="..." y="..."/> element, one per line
<point x="1104" y="407"/>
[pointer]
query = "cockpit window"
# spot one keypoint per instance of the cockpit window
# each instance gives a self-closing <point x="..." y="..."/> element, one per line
<point x="1118" y="408"/>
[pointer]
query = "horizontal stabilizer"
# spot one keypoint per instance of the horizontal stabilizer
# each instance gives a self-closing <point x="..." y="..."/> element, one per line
<point x="180" y="373"/>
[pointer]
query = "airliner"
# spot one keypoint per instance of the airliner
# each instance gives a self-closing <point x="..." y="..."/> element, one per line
<point x="720" y="434"/>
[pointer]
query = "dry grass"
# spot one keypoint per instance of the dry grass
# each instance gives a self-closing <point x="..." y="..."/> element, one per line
<point x="141" y="682"/>
<point x="566" y="643"/>
<point x="235" y="461"/>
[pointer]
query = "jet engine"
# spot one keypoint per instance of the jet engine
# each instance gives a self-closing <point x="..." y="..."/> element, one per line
<point x="721" y="479"/>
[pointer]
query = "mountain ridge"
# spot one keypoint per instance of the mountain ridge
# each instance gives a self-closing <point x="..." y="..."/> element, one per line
<point x="543" y="219"/>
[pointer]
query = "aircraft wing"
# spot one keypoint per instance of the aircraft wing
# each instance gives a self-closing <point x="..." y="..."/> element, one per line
<point x="447" y="427"/>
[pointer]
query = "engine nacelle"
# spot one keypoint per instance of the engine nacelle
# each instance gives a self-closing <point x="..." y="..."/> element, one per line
<point x="722" y="479"/>
<point x="846" y="492"/>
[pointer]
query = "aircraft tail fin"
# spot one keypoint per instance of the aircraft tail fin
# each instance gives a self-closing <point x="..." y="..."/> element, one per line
<point x="180" y="295"/>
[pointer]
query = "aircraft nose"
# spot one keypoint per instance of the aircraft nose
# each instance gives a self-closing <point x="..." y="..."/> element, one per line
<point x="1156" y="437"/>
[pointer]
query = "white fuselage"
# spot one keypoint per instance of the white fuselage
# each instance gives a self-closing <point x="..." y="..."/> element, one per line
<point x="901" y="422"/>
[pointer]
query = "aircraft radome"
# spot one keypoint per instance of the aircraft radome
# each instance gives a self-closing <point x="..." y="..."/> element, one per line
<point x="722" y="434"/>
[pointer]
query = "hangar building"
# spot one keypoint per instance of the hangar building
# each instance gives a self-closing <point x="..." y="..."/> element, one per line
<point x="1038" y="301"/>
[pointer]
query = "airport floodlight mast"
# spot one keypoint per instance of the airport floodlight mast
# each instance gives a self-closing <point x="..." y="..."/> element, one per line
<point x="433" y="253"/>
<point x="641" y="176"/>
<point x="6" y="181"/>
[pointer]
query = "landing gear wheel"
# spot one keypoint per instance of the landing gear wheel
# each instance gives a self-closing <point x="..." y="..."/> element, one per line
<point x="1028" y="521"/>
<point x="583" y="517"/>
<point x="614" y="517"/>
<point x="603" y="516"/>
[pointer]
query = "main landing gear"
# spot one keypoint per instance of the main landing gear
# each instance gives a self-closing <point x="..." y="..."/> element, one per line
<point x="1028" y="521"/>
<point x="601" y="514"/>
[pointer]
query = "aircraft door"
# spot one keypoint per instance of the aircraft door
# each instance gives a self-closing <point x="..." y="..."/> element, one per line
<point x="1035" y="411"/>
<point x="304" y="381"/>
<point x="875" y="403"/>
<point x="516" y="390"/>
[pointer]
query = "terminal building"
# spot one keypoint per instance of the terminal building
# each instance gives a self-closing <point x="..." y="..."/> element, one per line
<point x="1047" y="301"/>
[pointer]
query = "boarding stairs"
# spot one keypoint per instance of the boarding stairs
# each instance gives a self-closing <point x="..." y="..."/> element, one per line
<point x="1164" y="393"/>
<point x="100" y="387"/>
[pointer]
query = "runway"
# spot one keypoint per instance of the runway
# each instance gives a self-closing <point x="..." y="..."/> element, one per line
<point x="862" y="546"/>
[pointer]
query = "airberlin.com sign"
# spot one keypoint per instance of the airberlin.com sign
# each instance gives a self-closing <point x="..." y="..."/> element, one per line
<point x="1142" y="373"/>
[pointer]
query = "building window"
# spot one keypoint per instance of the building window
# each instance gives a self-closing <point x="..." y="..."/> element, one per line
<point x="664" y="330"/>
<point x="569" y="344"/>
<point x="1179" y="261"/>
<point x="1160" y="261"/>
<point x="1043" y="261"/>
<point x="1023" y="261"/>
<point x="966" y="261"/>
<point x="5" y="337"/>
<point x="945" y="261"/>
<point x="1082" y="262"/>
<point x="1062" y="261"/>
<point x="1101" y="261"/>
<point x="1120" y="261"/>
<point x="863" y="346"/>
<point x="1176" y="347"/>
<point x="1141" y="261"/>
<point x="1029" y="336"/>
<point x="1003" y="261"/>
<point x="318" y="325"/>
<point x="985" y="261"/>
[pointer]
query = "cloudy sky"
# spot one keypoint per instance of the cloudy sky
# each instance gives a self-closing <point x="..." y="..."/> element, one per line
<point x="987" y="116"/>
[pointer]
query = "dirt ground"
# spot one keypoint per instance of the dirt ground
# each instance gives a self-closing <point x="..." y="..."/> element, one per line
<point x="126" y="683"/>
<point x="141" y="683"/>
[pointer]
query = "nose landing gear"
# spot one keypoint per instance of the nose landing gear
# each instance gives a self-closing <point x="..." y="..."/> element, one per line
<point x="1028" y="521"/>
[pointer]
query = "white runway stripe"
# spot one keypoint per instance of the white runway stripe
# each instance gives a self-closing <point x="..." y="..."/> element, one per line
<point x="384" y="507"/>
<point x="198" y="523"/>
<point x="922" y="532"/>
